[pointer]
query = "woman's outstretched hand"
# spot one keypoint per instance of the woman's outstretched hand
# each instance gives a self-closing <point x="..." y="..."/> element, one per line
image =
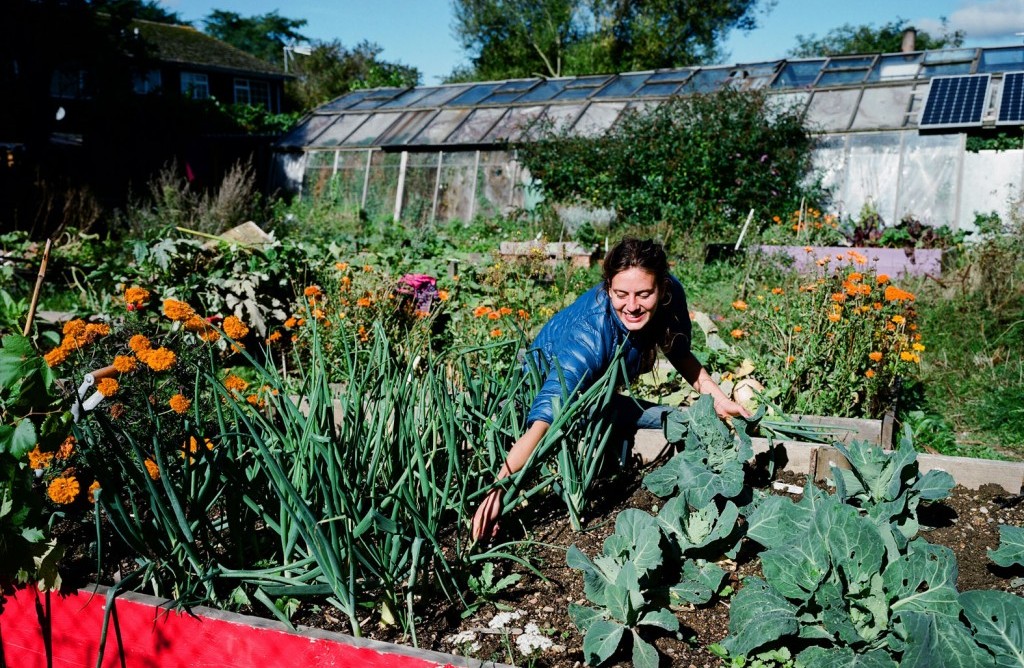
<point x="727" y="408"/>
<point x="485" y="521"/>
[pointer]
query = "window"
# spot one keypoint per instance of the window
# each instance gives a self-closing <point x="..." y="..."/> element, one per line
<point x="69" y="82"/>
<point x="146" y="82"/>
<point x="196" y="86"/>
<point x="253" y="93"/>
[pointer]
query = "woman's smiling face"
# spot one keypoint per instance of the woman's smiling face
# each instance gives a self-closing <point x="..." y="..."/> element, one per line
<point x="634" y="296"/>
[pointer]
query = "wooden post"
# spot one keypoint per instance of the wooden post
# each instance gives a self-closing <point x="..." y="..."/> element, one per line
<point x="39" y="285"/>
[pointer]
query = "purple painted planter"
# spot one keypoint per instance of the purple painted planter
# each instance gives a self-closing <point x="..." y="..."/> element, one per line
<point x="892" y="261"/>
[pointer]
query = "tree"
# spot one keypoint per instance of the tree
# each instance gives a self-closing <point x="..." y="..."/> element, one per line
<point x="264" y="36"/>
<point x="147" y="10"/>
<point x="850" y="39"/>
<point x="520" y="38"/>
<point x="332" y="70"/>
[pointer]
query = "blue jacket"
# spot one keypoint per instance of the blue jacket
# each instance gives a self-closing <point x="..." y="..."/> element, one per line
<point x="581" y="340"/>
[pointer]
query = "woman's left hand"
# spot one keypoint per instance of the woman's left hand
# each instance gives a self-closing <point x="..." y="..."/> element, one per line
<point x="727" y="408"/>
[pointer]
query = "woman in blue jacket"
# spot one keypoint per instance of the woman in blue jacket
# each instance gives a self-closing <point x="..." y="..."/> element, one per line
<point x="639" y="306"/>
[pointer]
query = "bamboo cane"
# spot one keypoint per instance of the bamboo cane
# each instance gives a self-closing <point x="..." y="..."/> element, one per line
<point x="39" y="285"/>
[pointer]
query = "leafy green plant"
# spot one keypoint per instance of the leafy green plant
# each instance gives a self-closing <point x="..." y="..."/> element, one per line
<point x="1011" y="547"/>
<point x="486" y="588"/>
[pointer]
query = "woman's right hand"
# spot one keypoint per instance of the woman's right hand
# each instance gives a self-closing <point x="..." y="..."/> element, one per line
<point x="485" y="521"/>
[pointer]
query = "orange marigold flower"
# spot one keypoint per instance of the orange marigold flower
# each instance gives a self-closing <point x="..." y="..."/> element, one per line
<point x="809" y="287"/>
<point x="481" y="311"/>
<point x="313" y="292"/>
<point x="67" y="448"/>
<point x="160" y="359"/>
<point x="834" y="317"/>
<point x="179" y="403"/>
<point x="870" y="373"/>
<point x="877" y="306"/>
<point x="234" y="383"/>
<point x="737" y="333"/>
<point x="898" y="319"/>
<point x="274" y="337"/>
<point x="495" y="333"/>
<point x="739" y="305"/>
<point x="37" y="459"/>
<point x="364" y="302"/>
<point x="56" y="357"/>
<point x="254" y="400"/>
<point x="808" y="249"/>
<point x="152" y="469"/>
<point x="493" y="315"/>
<point x="363" y="335"/>
<point x="107" y="387"/>
<point x="136" y="297"/>
<point x="855" y="277"/>
<point x="889" y="327"/>
<point x="790" y="359"/>
<point x="74" y="328"/>
<point x="908" y="356"/>
<point x="504" y="310"/>
<point x="858" y="258"/>
<point x="290" y="322"/>
<point x="776" y="219"/>
<point x="125" y="363"/>
<point x="839" y="297"/>
<point x="235" y="328"/>
<point x="918" y="347"/>
<point x="367" y="268"/>
<point x="523" y="314"/>
<point x="341" y="266"/>
<point x="63" y="490"/>
<point x="442" y="295"/>
<point x="875" y="356"/>
<point x="318" y="313"/>
<point x="798" y="329"/>
<point x="882" y="279"/>
<point x="93" y="489"/>
<point x="177" y="310"/>
<point x="778" y="291"/>
<point x="138" y="343"/>
<point x="894" y="294"/>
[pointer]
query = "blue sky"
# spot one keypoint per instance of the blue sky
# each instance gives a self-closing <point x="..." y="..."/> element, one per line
<point x="418" y="32"/>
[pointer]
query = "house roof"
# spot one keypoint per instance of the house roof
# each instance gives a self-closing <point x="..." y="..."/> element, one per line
<point x="186" y="45"/>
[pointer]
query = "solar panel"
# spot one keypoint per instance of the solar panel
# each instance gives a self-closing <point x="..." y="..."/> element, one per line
<point x="1011" y="105"/>
<point x="955" y="102"/>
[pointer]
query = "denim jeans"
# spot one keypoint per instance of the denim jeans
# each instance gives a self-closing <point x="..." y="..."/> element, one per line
<point x="628" y="415"/>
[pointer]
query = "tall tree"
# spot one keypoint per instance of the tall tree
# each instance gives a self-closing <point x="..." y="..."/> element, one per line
<point x="147" y="10"/>
<point x="516" y="38"/>
<point x="264" y="36"/>
<point x="888" y="38"/>
<point x="331" y="70"/>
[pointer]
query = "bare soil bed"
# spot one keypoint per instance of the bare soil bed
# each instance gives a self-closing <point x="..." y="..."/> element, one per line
<point x="528" y="622"/>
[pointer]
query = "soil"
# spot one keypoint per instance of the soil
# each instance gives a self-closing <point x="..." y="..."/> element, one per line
<point x="967" y="522"/>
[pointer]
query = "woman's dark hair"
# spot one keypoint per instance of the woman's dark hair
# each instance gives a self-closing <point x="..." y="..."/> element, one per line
<point x="630" y="252"/>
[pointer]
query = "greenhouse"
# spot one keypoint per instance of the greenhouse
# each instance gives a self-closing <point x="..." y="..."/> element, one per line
<point x="893" y="133"/>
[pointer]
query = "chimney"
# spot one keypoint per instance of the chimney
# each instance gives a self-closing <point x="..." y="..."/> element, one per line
<point x="909" y="40"/>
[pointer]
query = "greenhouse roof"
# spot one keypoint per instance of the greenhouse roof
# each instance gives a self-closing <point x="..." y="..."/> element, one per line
<point x="838" y="94"/>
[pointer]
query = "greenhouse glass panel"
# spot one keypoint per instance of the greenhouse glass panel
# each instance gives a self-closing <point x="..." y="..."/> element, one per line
<point x="441" y="126"/>
<point x="344" y="102"/>
<point x="474" y="94"/>
<point x="545" y="91"/>
<point x="873" y="174"/>
<point x="455" y="197"/>
<point x="851" y="62"/>
<point x="624" y="85"/>
<point x="501" y="98"/>
<point x="575" y="94"/>
<point x="407" y="98"/>
<point x="883" y="108"/>
<point x="831" y="110"/>
<point x="479" y="123"/>
<point x="946" y="69"/>
<point x="917" y="103"/>
<point x="1009" y="59"/>
<point x="990" y="180"/>
<point x="595" y="81"/>
<point x="319" y="169"/>
<point x="519" y="86"/>
<point x="928" y="176"/>
<point x="406" y="127"/>
<point x="829" y="161"/>
<point x="798" y="74"/>
<point x="441" y="96"/>
<point x="657" y="90"/>
<point x="342" y="128"/>
<point x="707" y="80"/>
<point x="377" y="98"/>
<point x="496" y="192"/>
<point x="840" y="78"/>
<point x="305" y="131"/>
<point x="343" y="187"/>
<point x="890" y="68"/>
<point x="382" y="185"/>
<point x="418" y="192"/>
<point x="367" y="133"/>
<point x="950" y="56"/>
<point x="598" y="118"/>
<point x="560" y="117"/>
<point x="674" y="76"/>
<point x="779" y="102"/>
<point x="511" y="126"/>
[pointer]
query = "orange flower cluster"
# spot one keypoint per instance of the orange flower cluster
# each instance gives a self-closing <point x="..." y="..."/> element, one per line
<point x="125" y="363"/>
<point x="63" y="490"/>
<point x="235" y="328"/>
<point x="136" y="297"/>
<point x="894" y="294"/>
<point x="37" y="459"/>
<point x="179" y="404"/>
<point x="107" y="387"/>
<point x="152" y="469"/>
<point x="77" y="334"/>
<point x="178" y="311"/>
<point x="234" y="383"/>
<point x="201" y="328"/>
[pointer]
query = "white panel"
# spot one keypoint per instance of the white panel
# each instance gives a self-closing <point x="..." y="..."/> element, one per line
<point x="873" y="174"/>
<point x="990" y="180"/>
<point x="928" y="178"/>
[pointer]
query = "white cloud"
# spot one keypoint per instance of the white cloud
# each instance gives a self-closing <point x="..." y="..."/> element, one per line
<point x="992" y="19"/>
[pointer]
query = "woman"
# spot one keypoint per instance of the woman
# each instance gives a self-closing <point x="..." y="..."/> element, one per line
<point x="638" y="306"/>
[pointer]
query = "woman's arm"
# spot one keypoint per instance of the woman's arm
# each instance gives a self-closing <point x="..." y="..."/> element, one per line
<point x="696" y="375"/>
<point x="485" y="521"/>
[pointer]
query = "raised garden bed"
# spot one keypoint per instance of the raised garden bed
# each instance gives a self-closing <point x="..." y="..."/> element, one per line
<point x="895" y="262"/>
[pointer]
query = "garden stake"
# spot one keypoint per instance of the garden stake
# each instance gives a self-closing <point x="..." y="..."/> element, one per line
<point x="39" y="285"/>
